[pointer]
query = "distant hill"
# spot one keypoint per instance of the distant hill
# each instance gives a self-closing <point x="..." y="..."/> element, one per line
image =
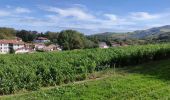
<point x="156" y="33"/>
<point x="110" y="35"/>
<point x="7" y="33"/>
<point x="150" y="32"/>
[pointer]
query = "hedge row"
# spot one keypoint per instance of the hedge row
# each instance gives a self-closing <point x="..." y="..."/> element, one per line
<point x="32" y="71"/>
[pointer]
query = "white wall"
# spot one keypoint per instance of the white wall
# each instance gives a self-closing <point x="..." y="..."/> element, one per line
<point x="22" y="51"/>
<point x="41" y="41"/>
<point x="4" y="48"/>
<point x="16" y="46"/>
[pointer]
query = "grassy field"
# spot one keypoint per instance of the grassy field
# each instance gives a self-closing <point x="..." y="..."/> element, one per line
<point x="149" y="81"/>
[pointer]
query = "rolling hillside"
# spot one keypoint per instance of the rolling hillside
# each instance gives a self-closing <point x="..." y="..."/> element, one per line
<point x="149" y="32"/>
<point x="157" y="33"/>
<point x="7" y="33"/>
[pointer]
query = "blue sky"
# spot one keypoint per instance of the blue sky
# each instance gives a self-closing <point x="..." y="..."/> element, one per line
<point x="87" y="16"/>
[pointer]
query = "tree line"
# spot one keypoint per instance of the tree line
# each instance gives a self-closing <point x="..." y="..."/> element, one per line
<point x="67" y="39"/>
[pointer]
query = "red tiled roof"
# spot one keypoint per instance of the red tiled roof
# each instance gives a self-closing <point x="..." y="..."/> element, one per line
<point x="11" y="41"/>
<point x="42" y="38"/>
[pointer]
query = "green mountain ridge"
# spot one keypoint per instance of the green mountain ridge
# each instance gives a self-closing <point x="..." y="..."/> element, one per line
<point x="7" y="33"/>
<point x="157" y="33"/>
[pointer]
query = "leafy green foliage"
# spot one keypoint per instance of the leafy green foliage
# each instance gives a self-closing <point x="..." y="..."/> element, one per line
<point x="148" y="81"/>
<point x="26" y="36"/>
<point x="53" y="36"/>
<point x="70" y="39"/>
<point x="30" y="72"/>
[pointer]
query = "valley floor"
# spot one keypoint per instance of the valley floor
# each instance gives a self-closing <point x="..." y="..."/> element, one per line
<point x="146" y="81"/>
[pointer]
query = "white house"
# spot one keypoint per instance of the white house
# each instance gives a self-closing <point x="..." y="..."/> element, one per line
<point x="43" y="47"/>
<point x="23" y="50"/>
<point x="39" y="46"/>
<point x="52" y="47"/>
<point x="41" y="40"/>
<point x="17" y="45"/>
<point x="103" y="45"/>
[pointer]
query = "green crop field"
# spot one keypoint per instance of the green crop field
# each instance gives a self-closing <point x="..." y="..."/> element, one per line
<point x="32" y="71"/>
<point x="149" y="81"/>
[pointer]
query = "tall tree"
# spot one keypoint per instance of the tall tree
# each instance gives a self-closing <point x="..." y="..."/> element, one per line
<point x="27" y="36"/>
<point x="71" y="39"/>
<point x="53" y="36"/>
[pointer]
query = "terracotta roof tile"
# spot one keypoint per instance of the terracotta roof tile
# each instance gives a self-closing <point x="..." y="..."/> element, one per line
<point x="11" y="41"/>
<point x="42" y="38"/>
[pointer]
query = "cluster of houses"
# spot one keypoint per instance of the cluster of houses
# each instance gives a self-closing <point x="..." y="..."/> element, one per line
<point x="39" y="44"/>
<point x="18" y="46"/>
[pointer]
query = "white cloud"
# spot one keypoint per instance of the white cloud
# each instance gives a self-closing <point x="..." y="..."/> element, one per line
<point x="13" y="12"/>
<point x="53" y="17"/>
<point x="144" y="16"/>
<point x="81" y="18"/>
<point x="4" y="13"/>
<point x="22" y="10"/>
<point x="78" y="13"/>
<point x="112" y="17"/>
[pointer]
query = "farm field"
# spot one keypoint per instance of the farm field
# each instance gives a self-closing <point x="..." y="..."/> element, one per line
<point x="34" y="71"/>
<point x="148" y="81"/>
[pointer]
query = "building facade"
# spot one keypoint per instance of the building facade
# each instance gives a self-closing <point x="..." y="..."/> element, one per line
<point x="103" y="45"/>
<point x="41" y="40"/>
<point x="7" y="46"/>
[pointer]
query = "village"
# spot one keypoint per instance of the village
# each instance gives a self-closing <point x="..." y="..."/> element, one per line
<point x="17" y="46"/>
<point x="40" y="44"/>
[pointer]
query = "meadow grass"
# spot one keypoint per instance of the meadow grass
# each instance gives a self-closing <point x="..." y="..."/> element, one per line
<point x="148" y="81"/>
